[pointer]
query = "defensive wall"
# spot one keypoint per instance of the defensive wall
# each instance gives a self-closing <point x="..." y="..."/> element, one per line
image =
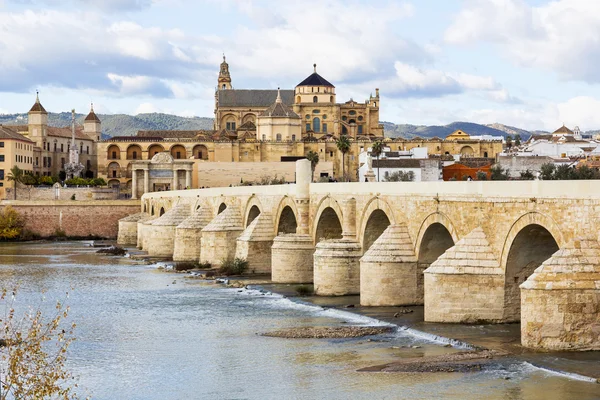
<point x="75" y="218"/>
<point x="471" y="252"/>
<point x="32" y="193"/>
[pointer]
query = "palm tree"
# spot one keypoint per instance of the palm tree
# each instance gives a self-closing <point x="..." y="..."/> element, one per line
<point x="313" y="157"/>
<point x="343" y="145"/>
<point x="376" y="150"/>
<point x="15" y="175"/>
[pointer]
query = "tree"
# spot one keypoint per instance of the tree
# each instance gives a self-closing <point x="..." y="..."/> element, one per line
<point x="33" y="352"/>
<point x="517" y="140"/>
<point x="15" y="175"/>
<point x="527" y="175"/>
<point x="313" y="157"/>
<point x="498" y="173"/>
<point x="343" y="145"/>
<point x="547" y="171"/>
<point x="11" y="224"/>
<point x="376" y="150"/>
<point x="62" y="175"/>
<point x="509" y="142"/>
<point x="564" y="172"/>
<point x="400" y="176"/>
<point x="481" y="176"/>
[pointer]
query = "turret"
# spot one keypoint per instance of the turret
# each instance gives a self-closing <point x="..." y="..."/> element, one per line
<point x="37" y="119"/>
<point x="92" y="126"/>
<point x="224" y="77"/>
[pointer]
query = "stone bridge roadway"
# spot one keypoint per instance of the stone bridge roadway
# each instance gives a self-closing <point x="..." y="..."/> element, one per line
<point x="469" y="251"/>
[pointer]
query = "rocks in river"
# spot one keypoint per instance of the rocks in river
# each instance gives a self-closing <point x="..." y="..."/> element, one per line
<point x="350" y="306"/>
<point x="327" y="332"/>
<point x="113" y="250"/>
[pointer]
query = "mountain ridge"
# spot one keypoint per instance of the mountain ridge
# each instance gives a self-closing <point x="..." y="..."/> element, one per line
<point x="128" y="125"/>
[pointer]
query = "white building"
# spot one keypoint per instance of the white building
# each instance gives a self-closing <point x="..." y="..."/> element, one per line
<point x="415" y="160"/>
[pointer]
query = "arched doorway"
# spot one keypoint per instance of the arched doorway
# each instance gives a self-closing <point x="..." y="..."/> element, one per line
<point x="154" y="150"/>
<point x="200" y="152"/>
<point x="252" y="215"/>
<point x="222" y="208"/>
<point x="376" y="224"/>
<point x="113" y="152"/>
<point x="178" y="152"/>
<point x="134" y="152"/>
<point x="533" y="245"/>
<point x="287" y="221"/>
<point x="329" y="226"/>
<point x="436" y="240"/>
<point x="113" y="170"/>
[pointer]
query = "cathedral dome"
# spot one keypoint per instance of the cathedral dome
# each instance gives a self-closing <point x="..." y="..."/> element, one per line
<point x="315" y="80"/>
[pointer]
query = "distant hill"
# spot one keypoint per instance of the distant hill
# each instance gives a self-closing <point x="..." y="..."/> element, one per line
<point x="128" y="125"/>
<point x="122" y="124"/>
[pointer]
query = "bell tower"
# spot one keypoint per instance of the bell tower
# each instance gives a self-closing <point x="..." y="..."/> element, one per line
<point x="224" y="77"/>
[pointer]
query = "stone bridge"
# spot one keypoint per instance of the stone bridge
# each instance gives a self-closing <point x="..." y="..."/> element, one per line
<point x="470" y="252"/>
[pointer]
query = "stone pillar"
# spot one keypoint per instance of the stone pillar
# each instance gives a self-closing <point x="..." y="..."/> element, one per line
<point x="220" y="236"/>
<point x="134" y="183"/>
<point x="292" y="259"/>
<point x="188" y="179"/>
<point x="141" y="229"/>
<point x="188" y="236"/>
<point x="175" y="183"/>
<point x="128" y="229"/>
<point x="146" y="180"/>
<point x="560" y="301"/>
<point x="303" y="178"/>
<point x="388" y="270"/>
<point x="255" y="244"/>
<point x="160" y="235"/>
<point x="337" y="268"/>
<point x="466" y="283"/>
<point x="349" y="224"/>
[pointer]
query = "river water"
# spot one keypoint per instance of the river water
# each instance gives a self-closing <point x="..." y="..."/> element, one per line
<point x="146" y="334"/>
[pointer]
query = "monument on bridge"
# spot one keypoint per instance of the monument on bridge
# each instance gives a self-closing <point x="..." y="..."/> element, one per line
<point x="73" y="168"/>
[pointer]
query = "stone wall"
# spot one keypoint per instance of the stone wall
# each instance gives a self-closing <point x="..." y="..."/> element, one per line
<point x="75" y="219"/>
<point x="516" y="165"/>
<point x="30" y="193"/>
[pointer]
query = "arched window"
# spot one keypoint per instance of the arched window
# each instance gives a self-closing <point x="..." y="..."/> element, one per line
<point x="324" y="128"/>
<point x="360" y="118"/>
<point x="316" y="125"/>
<point x="360" y="129"/>
<point x="298" y="99"/>
<point x="485" y="154"/>
<point x="278" y="137"/>
<point x="315" y="99"/>
<point x="307" y="116"/>
<point x="294" y="138"/>
<point x="223" y="87"/>
<point x="344" y="118"/>
<point x="352" y="112"/>
<point x="331" y="99"/>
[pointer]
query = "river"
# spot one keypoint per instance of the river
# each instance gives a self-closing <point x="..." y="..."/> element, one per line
<point x="143" y="333"/>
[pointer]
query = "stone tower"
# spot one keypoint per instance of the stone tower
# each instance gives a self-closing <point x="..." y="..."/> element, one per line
<point x="92" y="126"/>
<point x="37" y="120"/>
<point x="224" y="77"/>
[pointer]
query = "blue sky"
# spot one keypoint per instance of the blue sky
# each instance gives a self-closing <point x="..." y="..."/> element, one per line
<point x="530" y="64"/>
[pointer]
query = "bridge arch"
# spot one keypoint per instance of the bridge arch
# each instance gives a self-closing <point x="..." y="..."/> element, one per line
<point x="531" y="240"/>
<point x="327" y="222"/>
<point x="253" y="209"/>
<point x="222" y="207"/>
<point x="433" y="221"/>
<point x="286" y="219"/>
<point x="376" y="216"/>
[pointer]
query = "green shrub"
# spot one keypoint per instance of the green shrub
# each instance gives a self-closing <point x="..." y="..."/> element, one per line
<point x="73" y="196"/>
<point x="46" y="180"/>
<point x="205" y="265"/>
<point x="237" y="266"/>
<point x="11" y="224"/>
<point x="304" y="290"/>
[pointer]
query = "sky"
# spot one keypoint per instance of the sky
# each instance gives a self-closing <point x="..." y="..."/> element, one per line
<point x="525" y="63"/>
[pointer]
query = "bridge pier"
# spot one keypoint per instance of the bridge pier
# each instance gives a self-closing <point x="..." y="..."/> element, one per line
<point x="337" y="267"/>
<point x="143" y="223"/>
<point x="255" y="244"/>
<point x="292" y="259"/>
<point x="560" y="302"/>
<point x="465" y="284"/>
<point x="219" y="237"/>
<point x="128" y="229"/>
<point x="160" y="235"/>
<point x="388" y="270"/>
<point x="188" y="236"/>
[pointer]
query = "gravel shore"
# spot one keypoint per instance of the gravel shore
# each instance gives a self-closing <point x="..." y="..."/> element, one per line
<point x="329" y="332"/>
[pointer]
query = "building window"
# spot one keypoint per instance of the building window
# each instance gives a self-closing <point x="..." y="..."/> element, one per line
<point x="324" y="128"/>
<point x="231" y="126"/>
<point x="1" y="157"/>
<point x="114" y="173"/>
<point x="485" y="154"/>
<point x="223" y="87"/>
<point x="307" y="127"/>
<point x="55" y="147"/>
<point x="1" y="174"/>
<point x="294" y="138"/>
<point x="134" y="154"/>
<point x="315" y="99"/>
<point x="307" y="116"/>
<point x="360" y="118"/>
<point x="316" y="125"/>
<point x="331" y="99"/>
<point x="87" y="149"/>
<point x="178" y="155"/>
<point x="344" y="118"/>
<point x="316" y="111"/>
<point x="62" y="162"/>
<point x="278" y="137"/>
<point x="1" y="144"/>
<point x="49" y="162"/>
<point x="331" y="154"/>
<point x="360" y="129"/>
<point x="62" y="148"/>
<point x="114" y="155"/>
<point x="352" y="112"/>
<point x="325" y="116"/>
<point x="264" y="137"/>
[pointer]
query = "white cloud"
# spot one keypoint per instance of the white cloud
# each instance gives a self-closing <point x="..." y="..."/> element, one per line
<point x="562" y="35"/>
<point x="146" y="108"/>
